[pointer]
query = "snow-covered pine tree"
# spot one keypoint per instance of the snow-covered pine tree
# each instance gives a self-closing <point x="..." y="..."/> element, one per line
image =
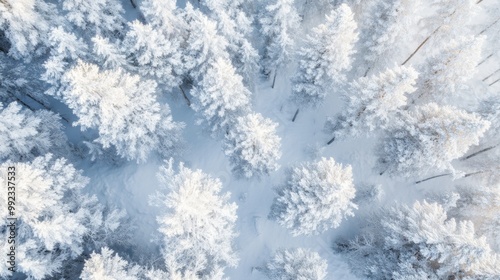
<point x="385" y="25"/>
<point x="17" y="83"/>
<point x="53" y="215"/>
<point x="316" y="197"/>
<point x="449" y="20"/>
<point x="25" y="134"/>
<point x="279" y="21"/>
<point x="109" y="265"/>
<point x="311" y="10"/>
<point x="203" y="45"/>
<point x="253" y="146"/>
<point x="156" y="53"/>
<point x="489" y="109"/>
<point x="220" y="97"/>
<point x="372" y="102"/>
<point x="163" y="14"/>
<point x="447" y="72"/>
<point x="26" y="24"/>
<point x="102" y="17"/>
<point x="428" y="138"/>
<point x="480" y="203"/>
<point x="155" y="46"/>
<point x="296" y="264"/>
<point x="235" y="25"/>
<point x="65" y="50"/>
<point x="108" y="53"/>
<point x="421" y="241"/>
<point x="197" y="224"/>
<point x="123" y="109"/>
<point x="325" y="57"/>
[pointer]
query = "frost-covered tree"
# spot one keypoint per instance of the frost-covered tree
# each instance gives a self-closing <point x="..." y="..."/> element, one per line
<point x="197" y="224"/>
<point x="449" y="20"/>
<point x="203" y="44"/>
<point x="155" y="46"/>
<point x="236" y="26"/>
<point x="108" y="265"/>
<point x="429" y="138"/>
<point x="372" y="102"/>
<point x="489" y="109"/>
<point x="279" y="21"/>
<point x="447" y="72"/>
<point x="65" y="50"/>
<point x="220" y="97"/>
<point x="53" y="215"/>
<point x="325" y="56"/>
<point x="311" y="10"/>
<point x="17" y="82"/>
<point x="26" y="24"/>
<point x="253" y="146"/>
<point x="385" y="25"/>
<point x="420" y="242"/>
<point x="101" y="17"/>
<point x="480" y="203"/>
<point x="108" y="53"/>
<point x="25" y="134"/>
<point x="155" y="53"/>
<point x="296" y="264"/>
<point x="122" y="108"/>
<point x="315" y="197"/>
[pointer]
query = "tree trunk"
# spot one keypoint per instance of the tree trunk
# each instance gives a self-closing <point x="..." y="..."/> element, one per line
<point x="496" y="71"/>
<point x="484" y="60"/>
<point x="133" y="4"/>
<point x="489" y="26"/>
<point x="331" y="141"/>
<point x="274" y="79"/>
<point x="185" y="96"/>
<point x="421" y="45"/>
<point x="367" y="70"/>
<point x="494" y="82"/>
<point x="295" y="116"/>
<point x="475" y="173"/>
<point x="432" y="177"/>
<point x="479" y="152"/>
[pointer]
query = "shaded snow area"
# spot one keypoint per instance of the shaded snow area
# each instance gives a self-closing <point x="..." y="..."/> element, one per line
<point x="245" y="140"/>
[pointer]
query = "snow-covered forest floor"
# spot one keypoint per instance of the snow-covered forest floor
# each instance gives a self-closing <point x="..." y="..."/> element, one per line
<point x="122" y="91"/>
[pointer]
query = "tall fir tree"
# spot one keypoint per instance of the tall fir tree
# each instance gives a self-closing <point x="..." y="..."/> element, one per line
<point x="197" y="224"/>
<point x="325" y="57"/>
<point x="279" y="22"/>
<point x="315" y="197"/>
<point x="122" y="108"/>
<point x="373" y="102"/>
<point x="253" y="146"/>
<point x="26" y="24"/>
<point x="53" y="214"/>
<point x="108" y="265"/>
<point x="428" y="138"/>
<point x="296" y="264"/>
<point x="446" y="73"/>
<point x="25" y="134"/>
<point x="236" y="26"/>
<point x="220" y="97"/>
<point x="411" y="242"/>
